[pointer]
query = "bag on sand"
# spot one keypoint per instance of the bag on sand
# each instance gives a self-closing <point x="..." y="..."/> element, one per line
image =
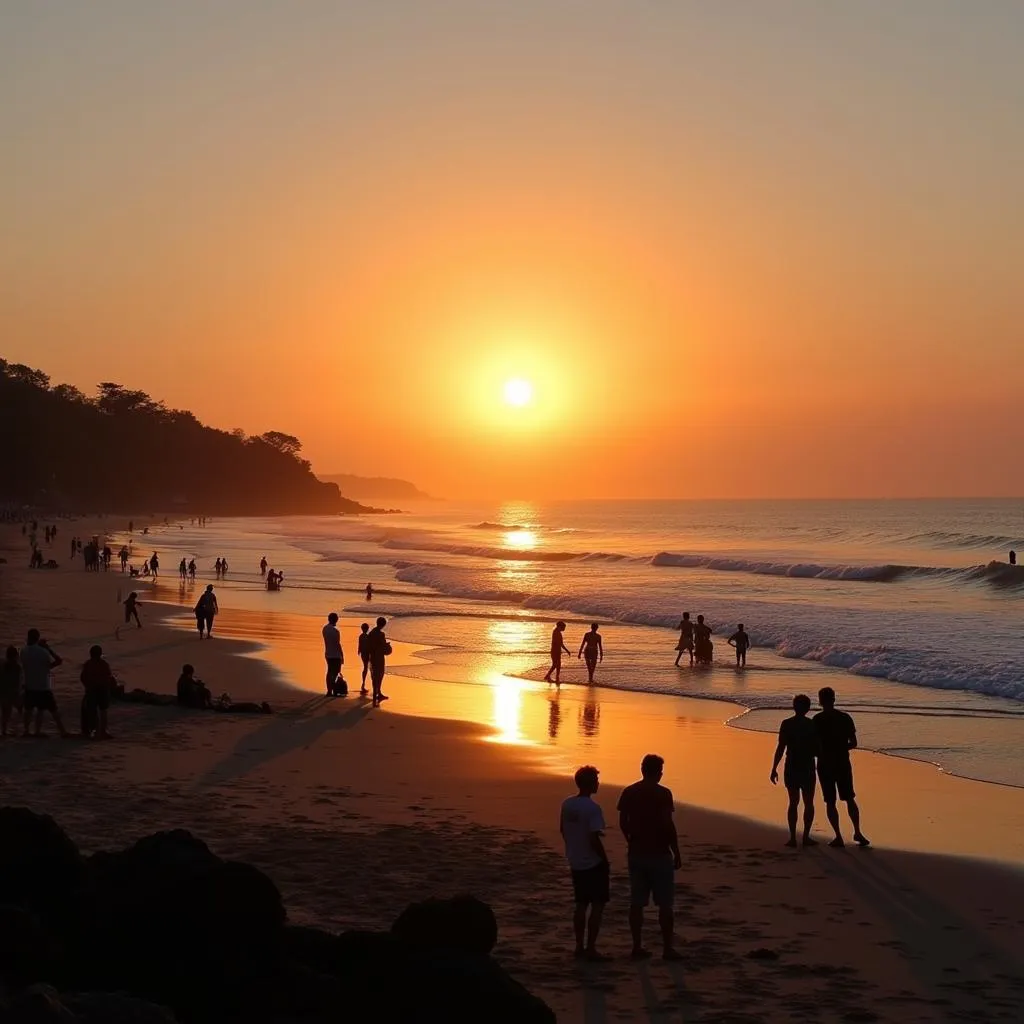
<point x="90" y="718"/>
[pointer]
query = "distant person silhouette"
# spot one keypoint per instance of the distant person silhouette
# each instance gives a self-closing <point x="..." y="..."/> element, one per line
<point x="223" y="567"/>
<point x="837" y="736"/>
<point x="741" y="642"/>
<point x="192" y="569"/>
<point x="217" y="568"/>
<point x="364" y="654"/>
<point x="591" y="650"/>
<point x="685" y="638"/>
<point x="183" y="569"/>
<point x="263" y="566"/>
<point x="154" y="564"/>
<point x="557" y="647"/>
<point x="798" y="740"/>
<point x="131" y="610"/>
<point x="369" y="591"/>
<point x="335" y="657"/>
<point x="206" y="611"/>
<point x="581" y="824"/>
<point x="123" y="556"/>
<point x="379" y="649"/>
<point x="702" y="647"/>
<point x="645" y="817"/>
<point x="98" y="681"/>
<point x="1013" y="558"/>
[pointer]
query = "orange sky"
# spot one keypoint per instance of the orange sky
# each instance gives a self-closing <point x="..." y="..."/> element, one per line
<point x="738" y="253"/>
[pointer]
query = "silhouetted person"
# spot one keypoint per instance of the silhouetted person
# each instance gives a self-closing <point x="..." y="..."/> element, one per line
<point x="369" y="591"/>
<point x="154" y="564"/>
<point x="37" y="662"/>
<point x="645" y="817"/>
<point x="741" y="642"/>
<point x="263" y="566"/>
<point x="557" y="647"/>
<point x="335" y="657"/>
<point x="131" y="610"/>
<point x="702" y="646"/>
<point x="591" y="650"/>
<point x="798" y="740"/>
<point x="223" y="567"/>
<point x="131" y="526"/>
<point x="183" y="569"/>
<point x="11" y="697"/>
<point x="685" y="638"/>
<point x="123" y="556"/>
<point x="582" y="826"/>
<point x="837" y="736"/>
<point x="364" y="654"/>
<point x="217" y="568"/>
<point x="74" y="547"/>
<point x="1013" y="558"/>
<point x="98" y="681"/>
<point x="192" y="569"/>
<point x="379" y="649"/>
<point x="206" y="611"/>
<point x="191" y="691"/>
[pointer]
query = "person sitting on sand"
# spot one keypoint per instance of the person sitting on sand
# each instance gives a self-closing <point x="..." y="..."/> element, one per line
<point x="581" y="824"/>
<point x="37" y="662"/>
<point x="335" y="658"/>
<point x="557" y="646"/>
<point x="685" y="638"/>
<point x="741" y="641"/>
<point x="192" y="693"/>
<point x="364" y="654"/>
<point x="798" y="740"/>
<point x="592" y="650"/>
<point x="11" y="698"/>
<point x="645" y="817"/>
<point x="837" y="736"/>
<point x="206" y="611"/>
<point x="131" y="610"/>
<point x="98" y="681"/>
<point x="378" y="647"/>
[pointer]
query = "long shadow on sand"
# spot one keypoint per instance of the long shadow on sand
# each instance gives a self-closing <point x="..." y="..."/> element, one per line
<point x="278" y="737"/>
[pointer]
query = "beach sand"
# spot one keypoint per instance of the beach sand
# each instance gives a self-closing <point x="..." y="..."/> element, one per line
<point x="355" y="812"/>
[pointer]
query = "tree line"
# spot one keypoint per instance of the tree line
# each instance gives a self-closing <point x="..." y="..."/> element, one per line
<point x="122" y="450"/>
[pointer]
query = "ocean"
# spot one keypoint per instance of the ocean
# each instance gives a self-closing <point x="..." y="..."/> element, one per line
<point x="909" y="609"/>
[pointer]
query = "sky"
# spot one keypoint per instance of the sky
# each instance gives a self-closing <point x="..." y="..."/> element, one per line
<point x="738" y="249"/>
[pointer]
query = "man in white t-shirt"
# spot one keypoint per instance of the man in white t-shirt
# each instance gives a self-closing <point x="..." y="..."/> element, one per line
<point x="582" y="825"/>
<point x="37" y="660"/>
<point x="335" y="657"/>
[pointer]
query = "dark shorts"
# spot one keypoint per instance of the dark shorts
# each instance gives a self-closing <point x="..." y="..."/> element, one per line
<point x="800" y="777"/>
<point x="333" y="666"/>
<point x="836" y="780"/>
<point x="377" y="673"/>
<point x="99" y="698"/>
<point x="591" y="885"/>
<point x="40" y="700"/>
<point x="651" y="877"/>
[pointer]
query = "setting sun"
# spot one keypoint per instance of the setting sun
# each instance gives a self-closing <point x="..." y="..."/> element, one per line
<point x="518" y="392"/>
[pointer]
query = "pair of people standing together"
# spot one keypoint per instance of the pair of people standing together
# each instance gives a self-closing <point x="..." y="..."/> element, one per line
<point x="373" y="652"/>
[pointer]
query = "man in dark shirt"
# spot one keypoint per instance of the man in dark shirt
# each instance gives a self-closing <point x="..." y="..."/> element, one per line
<point x="645" y="817"/>
<point x="378" y="648"/>
<point x="98" y="681"/>
<point x="837" y="736"/>
<point x="798" y="740"/>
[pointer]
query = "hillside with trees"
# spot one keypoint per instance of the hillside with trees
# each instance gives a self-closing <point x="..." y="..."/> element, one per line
<point x="123" y="450"/>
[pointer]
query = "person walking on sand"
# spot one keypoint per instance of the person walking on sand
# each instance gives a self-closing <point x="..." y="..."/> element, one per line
<point x="154" y="564"/>
<point x="645" y="817"/>
<point x="837" y="736"/>
<point x="591" y="650"/>
<point x="11" y="697"/>
<point x="98" y="681"/>
<point x="798" y="740"/>
<point x="364" y="654"/>
<point x="192" y="570"/>
<point x="741" y="641"/>
<point x="183" y="569"/>
<point x="206" y="611"/>
<point x="335" y="658"/>
<point x="685" y="638"/>
<point x="131" y="610"/>
<point x="378" y="647"/>
<point x="581" y="825"/>
<point x="557" y="646"/>
<point x="37" y="662"/>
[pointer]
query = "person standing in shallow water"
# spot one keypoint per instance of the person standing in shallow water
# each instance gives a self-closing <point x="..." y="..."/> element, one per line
<point x="685" y="638"/>
<point x="557" y="647"/>
<point x="591" y="650"/>
<point x="645" y="817"/>
<point x="798" y="740"/>
<point x="837" y="736"/>
<point x="741" y="642"/>
<point x="581" y="825"/>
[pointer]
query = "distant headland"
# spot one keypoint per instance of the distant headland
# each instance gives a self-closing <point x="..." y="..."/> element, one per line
<point x="376" y="488"/>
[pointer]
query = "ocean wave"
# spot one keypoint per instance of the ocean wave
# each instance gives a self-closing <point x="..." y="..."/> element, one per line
<point x="954" y="539"/>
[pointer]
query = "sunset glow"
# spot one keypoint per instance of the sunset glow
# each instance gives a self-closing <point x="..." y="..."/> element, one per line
<point x="518" y="392"/>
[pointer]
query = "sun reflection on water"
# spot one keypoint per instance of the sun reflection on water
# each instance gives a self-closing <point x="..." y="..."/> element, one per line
<point x="508" y="710"/>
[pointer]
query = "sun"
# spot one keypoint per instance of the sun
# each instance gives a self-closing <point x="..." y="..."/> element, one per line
<point x="518" y="392"/>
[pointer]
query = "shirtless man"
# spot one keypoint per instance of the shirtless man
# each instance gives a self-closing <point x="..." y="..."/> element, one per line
<point x="741" y="641"/>
<point x="557" y="646"/>
<point x="591" y="650"/>
<point x="685" y="638"/>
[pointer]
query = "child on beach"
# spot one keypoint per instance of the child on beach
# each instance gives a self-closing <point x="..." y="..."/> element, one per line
<point x="131" y="609"/>
<point x="741" y="642"/>
<point x="364" y="654"/>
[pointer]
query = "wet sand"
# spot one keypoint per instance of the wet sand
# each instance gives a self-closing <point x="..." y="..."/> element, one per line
<point x="449" y="787"/>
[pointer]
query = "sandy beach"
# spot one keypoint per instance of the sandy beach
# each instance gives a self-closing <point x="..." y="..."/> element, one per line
<point x="355" y="812"/>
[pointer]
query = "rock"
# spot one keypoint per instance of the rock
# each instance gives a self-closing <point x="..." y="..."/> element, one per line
<point x="116" y="1008"/>
<point x="461" y="923"/>
<point x="24" y="948"/>
<point x="39" y="1004"/>
<point x="313" y="948"/>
